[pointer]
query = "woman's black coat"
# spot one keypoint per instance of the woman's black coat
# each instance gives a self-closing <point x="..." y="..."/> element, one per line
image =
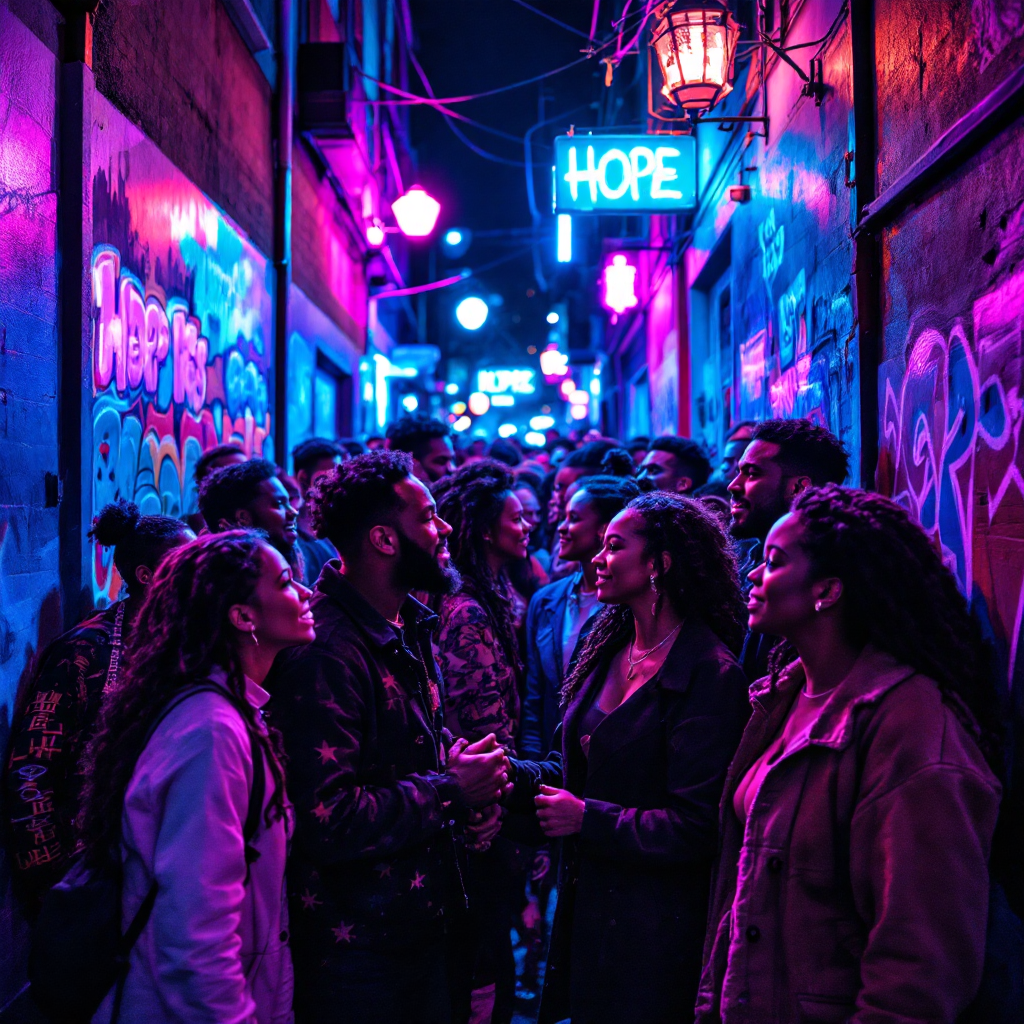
<point x="632" y="906"/>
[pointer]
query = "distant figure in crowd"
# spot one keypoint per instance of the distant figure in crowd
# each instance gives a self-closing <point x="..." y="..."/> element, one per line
<point x="180" y="762"/>
<point x="57" y="711"/>
<point x="656" y="704"/>
<point x="585" y="461"/>
<point x="529" y="574"/>
<point x="378" y="790"/>
<point x="478" y="651"/>
<point x="505" y="451"/>
<point x="736" y="443"/>
<point x="674" y="464"/>
<point x="562" y="613"/>
<point x="428" y="441"/>
<point x="859" y="810"/>
<point x="312" y="459"/>
<point x="784" y="458"/>
<point x="375" y="443"/>
<point x="637" y="448"/>
<point x="217" y="457"/>
<point x="250" y="495"/>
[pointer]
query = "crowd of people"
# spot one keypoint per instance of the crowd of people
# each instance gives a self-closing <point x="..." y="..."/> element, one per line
<point x="349" y="726"/>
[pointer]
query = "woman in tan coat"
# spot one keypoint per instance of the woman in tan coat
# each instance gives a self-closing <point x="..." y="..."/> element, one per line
<point x="858" y="813"/>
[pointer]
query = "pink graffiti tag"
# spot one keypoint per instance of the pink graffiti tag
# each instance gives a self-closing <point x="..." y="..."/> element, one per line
<point x="132" y="336"/>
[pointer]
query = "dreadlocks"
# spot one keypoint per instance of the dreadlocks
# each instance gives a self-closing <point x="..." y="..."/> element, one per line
<point x="471" y="501"/>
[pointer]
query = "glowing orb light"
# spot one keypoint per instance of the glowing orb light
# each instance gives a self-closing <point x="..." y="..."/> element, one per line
<point x="416" y="212"/>
<point x="479" y="403"/>
<point x="375" y="235"/>
<point x="535" y="439"/>
<point x="471" y="312"/>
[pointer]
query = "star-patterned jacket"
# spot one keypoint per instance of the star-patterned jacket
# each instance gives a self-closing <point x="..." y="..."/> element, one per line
<point x="373" y="859"/>
<point x="42" y="785"/>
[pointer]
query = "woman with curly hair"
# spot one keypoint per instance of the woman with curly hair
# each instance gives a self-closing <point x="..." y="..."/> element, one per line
<point x="859" y="811"/>
<point x="655" y="705"/>
<point x="171" y="773"/>
<point x="478" y="652"/>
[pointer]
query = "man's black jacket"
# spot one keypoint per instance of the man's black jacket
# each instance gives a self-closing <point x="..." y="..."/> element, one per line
<point x="373" y="858"/>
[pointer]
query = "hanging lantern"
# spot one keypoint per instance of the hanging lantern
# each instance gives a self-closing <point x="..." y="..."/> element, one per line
<point x="695" y="43"/>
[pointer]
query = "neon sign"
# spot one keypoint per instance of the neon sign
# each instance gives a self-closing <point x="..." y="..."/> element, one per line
<point x="620" y="284"/>
<point x="625" y="173"/>
<point x="501" y="382"/>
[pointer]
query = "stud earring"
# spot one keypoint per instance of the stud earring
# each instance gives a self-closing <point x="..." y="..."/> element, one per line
<point x="817" y="606"/>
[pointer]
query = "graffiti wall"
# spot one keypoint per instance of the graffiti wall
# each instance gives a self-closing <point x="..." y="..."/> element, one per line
<point x="181" y="332"/>
<point x="951" y="388"/>
<point x="771" y="312"/>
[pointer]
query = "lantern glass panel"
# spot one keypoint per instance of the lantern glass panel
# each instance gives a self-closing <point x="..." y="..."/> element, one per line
<point x="695" y="50"/>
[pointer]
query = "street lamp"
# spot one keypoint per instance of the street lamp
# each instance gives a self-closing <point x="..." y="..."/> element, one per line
<point x="471" y="312"/>
<point x="695" y="43"/>
<point x="416" y="212"/>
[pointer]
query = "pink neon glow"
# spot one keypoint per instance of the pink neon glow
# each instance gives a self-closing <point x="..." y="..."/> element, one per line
<point x="620" y="285"/>
<point x="553" y="364"/>
<point x="567" y="387"/>
<point x="416" y="212"/>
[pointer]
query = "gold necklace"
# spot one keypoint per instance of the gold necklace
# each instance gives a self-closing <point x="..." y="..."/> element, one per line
<point x="646" y="654"/>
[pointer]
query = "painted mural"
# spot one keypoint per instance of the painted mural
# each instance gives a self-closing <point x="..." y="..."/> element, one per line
<point x="952" y="451"/>
<point x="181" y="332"/>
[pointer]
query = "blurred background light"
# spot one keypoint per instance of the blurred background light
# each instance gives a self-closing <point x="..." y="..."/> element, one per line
<point x="471" y="312"/>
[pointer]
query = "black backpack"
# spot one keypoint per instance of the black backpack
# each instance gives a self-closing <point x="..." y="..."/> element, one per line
<point x="78" y="953"/>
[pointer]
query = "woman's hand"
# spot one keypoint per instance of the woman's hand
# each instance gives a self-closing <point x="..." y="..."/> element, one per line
<point x="559" y="812"/>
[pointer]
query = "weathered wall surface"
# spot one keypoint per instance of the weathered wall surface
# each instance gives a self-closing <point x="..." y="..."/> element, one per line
<point x="180" y="71"/>
<point x="951" y="386"/>
<point x="181" y="345"/>
<point x="791" y="316"/>
<point x="29" y="613"/>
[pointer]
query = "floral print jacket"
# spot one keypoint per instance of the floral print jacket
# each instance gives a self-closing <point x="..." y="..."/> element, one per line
<point x="42" y="783"/>
<point x="482" y="693"/>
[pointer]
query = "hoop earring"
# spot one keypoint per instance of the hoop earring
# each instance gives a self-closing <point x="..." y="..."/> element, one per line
<point x="255" y="639"/>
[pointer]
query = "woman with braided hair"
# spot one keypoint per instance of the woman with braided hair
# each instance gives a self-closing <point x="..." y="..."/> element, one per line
<point x="478" y="652"/>
<point x="859" y="811"/>
<point x="173" y="795"/>
<point x="655" y="703"/>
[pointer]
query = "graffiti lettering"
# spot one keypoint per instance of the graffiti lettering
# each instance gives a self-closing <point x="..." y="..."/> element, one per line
<point x="952" y="449"/>
<point x="793" y="320"/>
<point x="772" y="240"/>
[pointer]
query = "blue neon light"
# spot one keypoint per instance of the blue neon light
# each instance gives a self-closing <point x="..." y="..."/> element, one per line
<point x="625" y="173"/>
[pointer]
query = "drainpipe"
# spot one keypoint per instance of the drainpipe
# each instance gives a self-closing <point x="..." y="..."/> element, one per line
<point x="282" y="141"/>
<point x="867" y="246"/>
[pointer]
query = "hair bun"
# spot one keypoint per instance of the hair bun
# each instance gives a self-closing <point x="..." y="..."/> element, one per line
<point x="115" y="522"/>
<point x="617" y="462"/>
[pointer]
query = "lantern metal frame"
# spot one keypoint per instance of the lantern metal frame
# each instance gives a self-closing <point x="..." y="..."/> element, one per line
<point x="813" y="83"/>
<point x="676" y="16"/>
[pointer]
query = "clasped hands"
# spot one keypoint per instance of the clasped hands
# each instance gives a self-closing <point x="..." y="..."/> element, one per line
<point x="482" y="771"/>
<point x="559" y="812"/>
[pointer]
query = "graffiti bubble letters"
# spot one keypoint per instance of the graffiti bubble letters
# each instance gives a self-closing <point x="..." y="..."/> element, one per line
<point x="133" y="336"/>
<point x="772" y="240"/>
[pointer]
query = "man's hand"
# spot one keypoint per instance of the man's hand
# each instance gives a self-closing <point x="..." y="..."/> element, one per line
<point x="479" y="770"/>
<point x="559" y="812"/>
<point x="483" y="827"/>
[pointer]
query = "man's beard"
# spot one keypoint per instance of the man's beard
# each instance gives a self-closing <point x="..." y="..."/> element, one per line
<point x="759" y="521"/>
<point x="420" y="570"/>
